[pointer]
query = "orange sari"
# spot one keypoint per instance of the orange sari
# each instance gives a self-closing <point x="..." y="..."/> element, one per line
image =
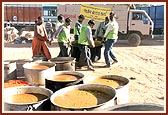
<point x="39" y="47"/>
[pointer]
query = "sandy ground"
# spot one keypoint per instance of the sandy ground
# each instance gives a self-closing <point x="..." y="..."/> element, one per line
<point x="145" y="63"/>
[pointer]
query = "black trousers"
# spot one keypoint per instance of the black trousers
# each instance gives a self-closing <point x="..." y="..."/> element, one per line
<point x="63" y="49"/>
<point x="85" y="56"/>
<point x="96" y="53"/>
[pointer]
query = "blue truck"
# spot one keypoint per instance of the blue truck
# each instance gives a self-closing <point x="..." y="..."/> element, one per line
<point x="157" y="15"/>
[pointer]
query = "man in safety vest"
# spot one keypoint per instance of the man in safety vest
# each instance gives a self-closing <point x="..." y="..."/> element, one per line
<point x="78" y="25"/>
<point x="63" y="35"/>
<point x="110" y="37"/>
<point x="99" y="34"/>
<point x="84" y="42"/>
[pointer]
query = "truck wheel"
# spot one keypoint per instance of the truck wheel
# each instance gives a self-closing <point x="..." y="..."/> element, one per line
<point x="134" y="39"/>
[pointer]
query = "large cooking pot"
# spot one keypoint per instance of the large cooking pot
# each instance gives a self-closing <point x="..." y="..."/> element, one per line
<point x="122" y="92"/>
<point x="102" y="89"/>
<point x="33" y="75"/>
<point x="10" y="70"/>
<point x="54" y="85"/>
<point x="20" y="69"/>
<point x="64" y="63"/>
<point x="43" y="103"/>
<point x="39" y="58"/>
<point x="136" y="107"/>
<point x="95" y="52"/>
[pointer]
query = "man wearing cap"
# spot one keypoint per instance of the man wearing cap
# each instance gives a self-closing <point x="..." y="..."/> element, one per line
<point x="78" y="26"/>
<point x="84" y="42"/>
<point x="63" y="35"/>
<point x="110" y="38"/>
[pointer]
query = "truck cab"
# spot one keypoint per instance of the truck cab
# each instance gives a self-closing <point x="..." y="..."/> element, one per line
<point x="140" y="26"/>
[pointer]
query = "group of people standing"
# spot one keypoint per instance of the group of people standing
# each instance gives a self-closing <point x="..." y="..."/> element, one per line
<point x="107" y="32"/>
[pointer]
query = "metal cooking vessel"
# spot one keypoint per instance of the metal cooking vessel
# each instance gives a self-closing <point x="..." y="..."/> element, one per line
<point x="56" y="85"/>
<point x="10" y="70"/>
<point x="40" y="105"/>
<point x="92" y="87"/>
<point x="137" y="107"/>
<point x="33" y="75"/>
<point x="122" y="92"/>
<point x="75" y="52"/>
<point x="64" y="63"/>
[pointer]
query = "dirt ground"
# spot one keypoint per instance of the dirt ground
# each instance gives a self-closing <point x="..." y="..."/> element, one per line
<point x="144" y="66"/>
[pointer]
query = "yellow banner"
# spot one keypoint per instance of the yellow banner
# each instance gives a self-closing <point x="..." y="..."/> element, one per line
<point x="93" y="12"/>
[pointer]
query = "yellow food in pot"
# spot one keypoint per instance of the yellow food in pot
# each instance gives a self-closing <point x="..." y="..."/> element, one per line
<point x="64" y="77"/>
<point x="81" y="99"/>
<point x="22" y="98"/>
<point x="39" y="67"/>
<point x="25" y="98"/>
<point x="104" y="81"/>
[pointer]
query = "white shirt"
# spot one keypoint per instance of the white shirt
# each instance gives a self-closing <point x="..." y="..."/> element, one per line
<point x="57" y="25"/>
<point x="111" y="25"/>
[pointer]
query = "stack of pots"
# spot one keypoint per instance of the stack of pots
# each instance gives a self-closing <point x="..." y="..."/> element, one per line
<point x="66" y="66"/>
<point x="57" y="66"/>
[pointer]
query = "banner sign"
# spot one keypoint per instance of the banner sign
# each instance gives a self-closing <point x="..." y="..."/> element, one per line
<point x="93" y="12"/>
